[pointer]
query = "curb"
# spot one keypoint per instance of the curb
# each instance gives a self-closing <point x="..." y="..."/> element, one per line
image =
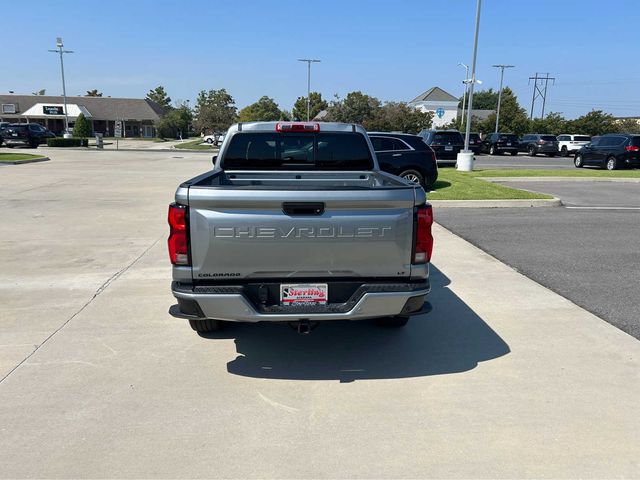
<point x="562" y="179"/>
<point x="536" y="202"/>
<point x="29" y="160"/>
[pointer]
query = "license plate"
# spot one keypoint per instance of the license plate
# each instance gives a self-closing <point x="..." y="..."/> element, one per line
<point x="508" y="144"/>
<point x="14" y="134"/>
<point x="448" y="148"/>
<point x="304" y="294"/>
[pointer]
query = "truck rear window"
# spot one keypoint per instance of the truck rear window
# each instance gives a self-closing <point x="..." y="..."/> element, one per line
<point x="297" y="151"/>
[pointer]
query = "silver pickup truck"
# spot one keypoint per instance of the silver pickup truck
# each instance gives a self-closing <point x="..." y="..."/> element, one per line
<point x="296" y="223"/>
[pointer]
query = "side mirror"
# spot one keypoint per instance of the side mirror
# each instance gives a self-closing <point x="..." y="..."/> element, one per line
<point x="213" y="159"/>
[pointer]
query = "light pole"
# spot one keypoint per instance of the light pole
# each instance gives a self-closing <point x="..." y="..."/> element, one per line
<point x="501" y="67"/>
<point x="60" y="50"/>
<point x="309" y="62"/>
<point x="464" y="94"/>
<point x="465" y="158"/>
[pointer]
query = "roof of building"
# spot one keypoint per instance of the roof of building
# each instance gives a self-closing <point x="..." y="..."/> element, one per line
<point x="100" y="108"/>
<point x="435" y="94"/>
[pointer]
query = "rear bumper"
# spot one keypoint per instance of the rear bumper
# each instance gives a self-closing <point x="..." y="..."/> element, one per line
<point x="228" y="303"/>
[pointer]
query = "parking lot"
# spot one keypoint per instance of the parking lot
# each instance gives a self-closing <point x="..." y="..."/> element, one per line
<point x="523" y="160"/>
<point x="504" y="378"/>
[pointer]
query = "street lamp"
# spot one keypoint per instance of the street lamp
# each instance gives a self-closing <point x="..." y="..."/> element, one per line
<point x="60" y="50"/>
<point x="464" y="94"/>
<point x="309" y="62"/>
<point x="501" y="67"/>
<point x="465" y="158"/>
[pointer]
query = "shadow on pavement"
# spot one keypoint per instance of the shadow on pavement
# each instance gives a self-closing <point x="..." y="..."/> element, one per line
<point x="450" y="339"/>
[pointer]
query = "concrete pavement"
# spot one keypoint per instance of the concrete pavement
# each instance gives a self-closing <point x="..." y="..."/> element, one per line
<point x="503" y="379"/>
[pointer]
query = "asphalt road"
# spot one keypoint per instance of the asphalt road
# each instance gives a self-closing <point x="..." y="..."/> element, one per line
<point x="523" y="161"/>
<point x="586" y="251"/>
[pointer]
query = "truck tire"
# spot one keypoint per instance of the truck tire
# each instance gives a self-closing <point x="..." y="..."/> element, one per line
<point x="392" y="322"/>
<point x="563" y="151"/>
<point x="205" y="326"/>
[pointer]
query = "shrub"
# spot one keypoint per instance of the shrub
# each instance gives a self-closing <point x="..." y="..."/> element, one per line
<point x="67" y="142"/>
<point x="82" y="128"/>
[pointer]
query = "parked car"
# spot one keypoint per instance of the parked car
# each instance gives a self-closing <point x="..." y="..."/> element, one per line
<point x="28" y="134"/>
<point x="611" y="151"/>
<point x="534" y="143"/>
<point x="475" y="142"/>
<point x="296" y="223"/>
<point x="406" y="156"/>
<point x="445" y="143"/>
<point x="499" y="143"/>
<point x="568" y="144"/>
<point x="214" y="139"/>
<point x="3" y="125"/>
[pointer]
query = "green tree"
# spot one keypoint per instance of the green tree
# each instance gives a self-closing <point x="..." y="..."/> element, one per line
<point x="215" y="111"/>
<point x="398" y="117"/>
<point x="175" y="123"/>
<point x="82" y="127"/>
<point x="159" y="95"/>
<point x="484" y="99"/>
<point x="317" y="104"/>
<point x="40" y="92"/>
<point x="93" y="93"/>
<point x="264" y="110"/>
<point x="513" y="118"/>
<point x="356" y="107"/>
<point x="553" y="123"/>
<point x="628" y="125"/>
<point x="596" y="122"/>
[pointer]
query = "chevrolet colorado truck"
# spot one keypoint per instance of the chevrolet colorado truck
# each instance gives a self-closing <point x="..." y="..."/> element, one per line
<point x="296" y="223"/>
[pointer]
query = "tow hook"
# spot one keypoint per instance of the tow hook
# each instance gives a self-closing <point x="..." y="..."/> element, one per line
<point x="303" y="326"/>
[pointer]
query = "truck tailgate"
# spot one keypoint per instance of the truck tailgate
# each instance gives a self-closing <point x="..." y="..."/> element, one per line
<point x="237" y="234"/>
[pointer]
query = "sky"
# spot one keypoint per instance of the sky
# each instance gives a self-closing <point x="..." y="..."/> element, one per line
<point x="393" y="50"/>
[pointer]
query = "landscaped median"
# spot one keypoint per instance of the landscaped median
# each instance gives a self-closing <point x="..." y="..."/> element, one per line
<point x="464" y="189"/>
<point x="17" y="158"/>
<point x="194" y="145"/>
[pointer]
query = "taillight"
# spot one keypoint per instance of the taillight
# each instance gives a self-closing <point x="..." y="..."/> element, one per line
<point x="297" y="127"/>
<point x="423" y="237"/>
<point x="632" y="148"/>
<point x="541" y="142"/>
<point x="178" y="243"/>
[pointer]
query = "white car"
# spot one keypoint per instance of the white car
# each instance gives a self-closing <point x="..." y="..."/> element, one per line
<point x="214" y="139"/>
<point x="571" y="143"/>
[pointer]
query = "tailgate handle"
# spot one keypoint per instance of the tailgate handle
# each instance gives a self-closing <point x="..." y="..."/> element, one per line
<point x="303" y="208"/>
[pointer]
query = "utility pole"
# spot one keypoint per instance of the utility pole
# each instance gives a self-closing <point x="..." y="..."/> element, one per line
<point x="538" y="91"/>
<point x="309" y="62"/>
<point x="59" y="46"/>
<point x="501" y="67"/>
<point x="473" y="77"/>
<point x="464" y="94"/>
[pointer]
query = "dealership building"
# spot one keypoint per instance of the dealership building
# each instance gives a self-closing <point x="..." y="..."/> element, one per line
<point x="136" y="115"/>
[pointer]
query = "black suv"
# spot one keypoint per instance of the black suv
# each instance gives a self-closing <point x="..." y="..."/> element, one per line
<point x="534" y="143"/>
<point x="499" y="143"/>
<point x="406" y="156"/>
<point x="29" y="134"/>
<point x="445" y="143"/>
<point x="611" y="151"/>
<point x="475" y="142"/>
<point x="3" y="125"/>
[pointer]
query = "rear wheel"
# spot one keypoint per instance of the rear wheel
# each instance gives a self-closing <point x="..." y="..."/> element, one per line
<point x="392" y="322"/>
<point x="563" y="151"/>
<point x="551" y="154"/>
<point x="33" y="144"/>
<point x="577" y="161"/>
<point x="413" y="176"/>
<point x="514" y="153"/>
<point x="612" y="163"/>
<point x="532" y="151"/>
<point x="209" y="141"/>
<point x="205" y="326"/>
<point x="492" y="150"/>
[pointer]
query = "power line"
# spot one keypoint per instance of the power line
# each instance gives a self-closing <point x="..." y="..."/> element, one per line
<point x="538" y="91"/>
